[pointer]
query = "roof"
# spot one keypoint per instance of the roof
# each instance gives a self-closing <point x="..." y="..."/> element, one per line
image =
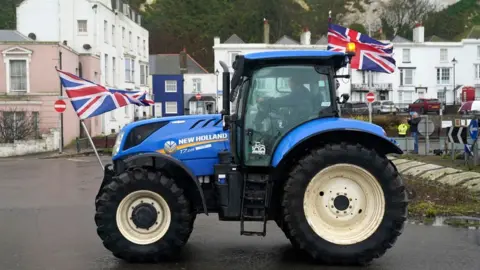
<point x="286" y="40"/>
<point x="399" y="39"/>
<point x="474" y="32"/>
<point x="435" y="38"/>
<point x="322" y="40"/>
<point x="12" y="35"/>
<point x="291" y="54"/>
<point x="234" y="39"/>
<point x="169" y="64"/>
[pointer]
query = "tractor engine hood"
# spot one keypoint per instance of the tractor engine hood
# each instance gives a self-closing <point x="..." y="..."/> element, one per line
<point x="176" y="136"/>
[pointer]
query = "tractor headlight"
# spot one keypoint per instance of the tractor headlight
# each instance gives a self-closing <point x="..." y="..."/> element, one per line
<point x="118" y="141"/>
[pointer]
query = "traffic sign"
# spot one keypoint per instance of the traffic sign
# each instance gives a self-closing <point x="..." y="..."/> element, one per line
<point x="198" y="96"/>
<point x="60" y="106"/>
<point x="426" y="127"/>
<point x="457" y="135"/>
<point x="371" y="97"/>
<point x="473" y="129"/>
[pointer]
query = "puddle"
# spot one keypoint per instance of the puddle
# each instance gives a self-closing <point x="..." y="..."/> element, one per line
<point x="472" y="223"/>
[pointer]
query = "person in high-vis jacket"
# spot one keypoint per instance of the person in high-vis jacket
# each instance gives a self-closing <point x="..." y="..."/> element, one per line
<point x="402" y="129"/>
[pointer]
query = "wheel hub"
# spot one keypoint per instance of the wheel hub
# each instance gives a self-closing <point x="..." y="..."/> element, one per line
<point x="144" y="216"/>
<point x="341" y="202"/>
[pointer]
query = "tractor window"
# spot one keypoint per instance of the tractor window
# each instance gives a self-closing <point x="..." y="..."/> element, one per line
<point x="280" y="98"/>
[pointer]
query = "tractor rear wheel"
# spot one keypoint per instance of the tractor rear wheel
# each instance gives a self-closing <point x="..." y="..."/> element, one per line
<point x="143" y="216"/>
<point x="344" y="204"/>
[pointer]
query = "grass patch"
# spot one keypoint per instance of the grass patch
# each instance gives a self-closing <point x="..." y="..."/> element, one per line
<point x="429" y="199"/>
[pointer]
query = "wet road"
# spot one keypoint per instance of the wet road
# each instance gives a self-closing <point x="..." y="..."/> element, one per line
<point x="46" y="222"/>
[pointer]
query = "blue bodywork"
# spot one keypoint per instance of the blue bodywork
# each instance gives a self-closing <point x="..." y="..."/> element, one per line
<point x="197" y="147"/>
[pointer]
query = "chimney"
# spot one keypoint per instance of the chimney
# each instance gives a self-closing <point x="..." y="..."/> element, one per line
<point x="183" y="61"/>
<point x="419" y="33"/>
<point x="305" y="37"/>
<point x="266" y="31"/>
<point x="216" y="40"/>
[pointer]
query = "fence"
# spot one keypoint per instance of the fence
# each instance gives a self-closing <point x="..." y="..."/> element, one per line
<point x="100" y="142"/>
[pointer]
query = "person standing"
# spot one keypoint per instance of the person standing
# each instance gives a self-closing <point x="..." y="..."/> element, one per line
<point x="413" y="122"/>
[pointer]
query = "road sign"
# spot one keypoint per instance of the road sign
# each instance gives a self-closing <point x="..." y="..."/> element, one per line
<point x="457" y="135"/>
<point x="371" y="97"/>
<point x="426" y="126"/>
<point x="60" y="106"/>
<point x="198" y="96"/>
<point x="473" y="129"/>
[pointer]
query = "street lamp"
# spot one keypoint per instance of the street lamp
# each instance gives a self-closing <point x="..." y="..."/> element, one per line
<point x="216" y="92"/>
<point x="454" y="62"/>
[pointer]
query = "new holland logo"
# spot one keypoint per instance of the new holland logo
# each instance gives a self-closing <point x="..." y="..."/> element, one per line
<point x="170" y="147"/>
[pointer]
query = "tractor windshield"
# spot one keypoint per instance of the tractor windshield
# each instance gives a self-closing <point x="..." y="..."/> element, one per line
<point x="281" y="98"/>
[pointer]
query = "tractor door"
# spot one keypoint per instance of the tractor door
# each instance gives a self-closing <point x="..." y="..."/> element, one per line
<point x="278" y="99"/>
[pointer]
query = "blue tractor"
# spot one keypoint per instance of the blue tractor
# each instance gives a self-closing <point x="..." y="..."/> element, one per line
<point x="280" y="153"/>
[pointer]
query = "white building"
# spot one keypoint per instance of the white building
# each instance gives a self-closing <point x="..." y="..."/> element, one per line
<point x="204" y="85"/>
<point x="424" y="68"/>
<point x="107" y="28"/>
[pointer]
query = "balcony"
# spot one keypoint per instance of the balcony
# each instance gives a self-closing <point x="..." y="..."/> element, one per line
<point x="363" y="87"/>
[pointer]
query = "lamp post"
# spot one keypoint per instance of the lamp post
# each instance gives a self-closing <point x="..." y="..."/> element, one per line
<point x="216" y="91"/>
<point x="454" y="62"/>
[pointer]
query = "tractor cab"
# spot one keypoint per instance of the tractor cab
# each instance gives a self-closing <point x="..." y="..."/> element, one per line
<point x="274" y="92"/>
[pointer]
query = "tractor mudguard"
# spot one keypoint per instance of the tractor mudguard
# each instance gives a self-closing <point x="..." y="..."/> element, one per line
<point x="350" y="129"/>
<point x="156" y="159"/>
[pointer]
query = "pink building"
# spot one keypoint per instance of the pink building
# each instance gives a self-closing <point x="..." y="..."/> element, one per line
<point x="29" y="83"/>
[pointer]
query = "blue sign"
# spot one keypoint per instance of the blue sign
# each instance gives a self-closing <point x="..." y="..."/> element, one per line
<point x="473" y="129"/>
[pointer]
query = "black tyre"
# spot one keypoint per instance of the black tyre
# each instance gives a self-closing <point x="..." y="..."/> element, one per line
<point x="344" y="204"/>
<point x="143" y="216"/>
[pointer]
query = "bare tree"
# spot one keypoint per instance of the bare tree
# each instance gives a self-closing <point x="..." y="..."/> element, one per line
<point x="17" y="125"/>
<point x="402" y="15"/>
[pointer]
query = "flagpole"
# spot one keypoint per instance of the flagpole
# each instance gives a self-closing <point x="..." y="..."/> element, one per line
<point x="91" y="142"/>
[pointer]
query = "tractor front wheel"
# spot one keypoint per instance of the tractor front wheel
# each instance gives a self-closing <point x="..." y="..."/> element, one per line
<point x="143" y="216"/>
<point x="344" y="204"/>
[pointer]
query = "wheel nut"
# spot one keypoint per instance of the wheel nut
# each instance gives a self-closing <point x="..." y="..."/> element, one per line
<point x="350" y="207"/>
<point x="338" y="212"/>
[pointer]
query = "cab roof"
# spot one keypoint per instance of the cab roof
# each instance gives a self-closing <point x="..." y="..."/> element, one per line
<point x="291" y="54"/>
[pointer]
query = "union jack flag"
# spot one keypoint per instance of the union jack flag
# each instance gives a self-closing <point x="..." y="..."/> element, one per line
<point x="370" y="55"/>
<point x="90" y="99"/>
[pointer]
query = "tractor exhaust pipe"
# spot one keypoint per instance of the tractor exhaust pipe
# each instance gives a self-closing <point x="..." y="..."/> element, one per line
<point x="226" y="89"/>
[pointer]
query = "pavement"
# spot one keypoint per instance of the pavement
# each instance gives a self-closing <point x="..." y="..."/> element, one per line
<point x="432" y="172"/>
<point x="46" y="222"/>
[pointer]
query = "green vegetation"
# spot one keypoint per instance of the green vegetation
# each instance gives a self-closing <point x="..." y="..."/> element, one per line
<point x="430" y="199"/>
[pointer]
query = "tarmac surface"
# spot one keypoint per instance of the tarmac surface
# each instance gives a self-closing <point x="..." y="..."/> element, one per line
<point x="46" y="222"/>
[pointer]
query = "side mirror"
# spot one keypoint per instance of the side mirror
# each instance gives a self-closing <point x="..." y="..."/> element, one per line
<point x="343" y="98"/>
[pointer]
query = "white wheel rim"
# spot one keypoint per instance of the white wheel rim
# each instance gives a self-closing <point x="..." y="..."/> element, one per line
<point x="363" y="214"/>
<point x="138" y="235"/>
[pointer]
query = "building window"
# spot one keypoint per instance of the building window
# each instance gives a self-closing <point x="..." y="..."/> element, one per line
<point x="478" y="51"/>
<point x="112" y="115"/>
<point x="105" y="31"/>
<point x="138" y="46"/>
<point x="233" y="55"/>
<point x="18" y="75"/>
<point x="477" y="71"/>
<point x="128" y="69"/>
<point x="113" y="36"/>
<point x="441" y="96"/>
<point x="124" y="42"/>
<point x="197" y="85"/>
<point x="406" y="55"/>
<point x="130" y="40"/>
<point x="36" y="124"/>
<point x="82" y="26"/>
<point x="171" y="107"/>
<point x="127" y="111"/>
<point x="144" y="47"/>
<point x="114" y="71"/>
<point x="406" y="76"/>
<point x="105" y="59"/>
<point x="443" y="75"/>
<point x="170" y="86"/>
<point x="143" y="74"/>
<point x="443" y="55"/>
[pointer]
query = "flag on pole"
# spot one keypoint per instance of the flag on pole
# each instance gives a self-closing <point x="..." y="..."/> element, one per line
<point x="371" y="54"/>
<point x="90" y="99"/>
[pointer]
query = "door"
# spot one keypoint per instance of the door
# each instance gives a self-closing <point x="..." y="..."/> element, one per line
<point x="421" y="93"/>
<point x="158" y="109"/>
<point x="292" y="95"/>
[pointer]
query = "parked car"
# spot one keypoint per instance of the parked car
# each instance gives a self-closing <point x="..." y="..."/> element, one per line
<point x="425" y="105"/>
<point x="384" y="106"/>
